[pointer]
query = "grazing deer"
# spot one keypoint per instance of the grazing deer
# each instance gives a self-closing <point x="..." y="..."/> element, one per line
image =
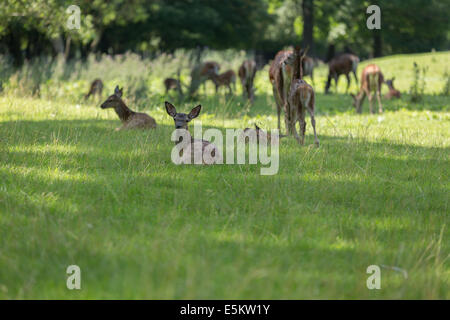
<point x="371" y="81"/>
<point x="227" y="79"/>
<point x="201" y="73"/>
<point x="181" y="121"/>
<point x="342" y="64"/>
<point x="247" y="72"/>
<point x="129" y="118"/>
<point x="393" y="93"/>
<point x="261" y="135"/>
<point x="95" y="89"/>
<point x="301" y="99"/>
<point x="172" y="84"/>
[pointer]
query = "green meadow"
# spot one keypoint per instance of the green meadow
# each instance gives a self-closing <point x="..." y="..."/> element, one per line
<point x="75" y="192"/>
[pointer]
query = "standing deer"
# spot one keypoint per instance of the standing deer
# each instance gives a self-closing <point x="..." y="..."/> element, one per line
<point x="371" y="81"/>
<point x="301" y="99"/>
<point x="181" y="121"/>
<point x="246" y="73"/>
<point x="227" y="79"/>
<point x="280" y="75"/>
<point x="95" y="89"/>
<point x="342" y="64"/>
<point x="129" y="118"/>
<point x="393" y="93"/>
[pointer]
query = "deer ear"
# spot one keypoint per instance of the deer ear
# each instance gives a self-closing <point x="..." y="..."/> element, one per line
<point x="195" y="112"/>
<point x="256" y="127"/>
<point x="170" y="108"/>
<point x="120" y="92"/>
<point x="116" y="90"/>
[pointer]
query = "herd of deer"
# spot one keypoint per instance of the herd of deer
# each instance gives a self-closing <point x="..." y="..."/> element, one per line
<point x="291" y="92"/>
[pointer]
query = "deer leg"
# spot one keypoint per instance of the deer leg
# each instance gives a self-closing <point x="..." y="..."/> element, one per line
<point x="336" y="79"/>
<point x="301" y="118"/>
<point x="370" y="96"/>
<point x="348" y="82"/>
<point x="380" y="106"/>
<point x="278" y="103"/>
<point x="356" y="77"/>
<point x="313" y="123"/>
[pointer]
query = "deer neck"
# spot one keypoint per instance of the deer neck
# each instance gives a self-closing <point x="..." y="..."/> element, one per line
<point x="180" y="139"/>
<point x="123" y="111"/>
<point x="297" y="72"/>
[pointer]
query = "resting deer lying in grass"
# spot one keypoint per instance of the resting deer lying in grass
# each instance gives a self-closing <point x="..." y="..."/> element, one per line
<point x="393" y="93"/>
<point x="129" y="118"/>
<point x="301" y="99"/>
<point x="226" y="79"/>
<point x="261" y="135"/>
<point x="247" y="72"/>
<point x="371" y="81"/>
<point x="95" y="89"/>
<point x="181" y="121"/>
<point x="342" y="64"/>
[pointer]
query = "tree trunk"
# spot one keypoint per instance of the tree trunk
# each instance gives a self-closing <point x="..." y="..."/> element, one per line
<point x="377" y="44"/>
<point x="308" y="24"/>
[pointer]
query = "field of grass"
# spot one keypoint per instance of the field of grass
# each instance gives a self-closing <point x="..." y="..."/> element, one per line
<point x="74" y="191"/>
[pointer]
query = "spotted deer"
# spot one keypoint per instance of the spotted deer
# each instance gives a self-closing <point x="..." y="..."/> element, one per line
<point x="227" y="79"/>
<point x="96" y="88"/>
<point x="247" y="72"/>
<point x="129" y="118"/>
<point x="301" y="99"/>
<point x="393" y="93"/>
<point x="371" y="81"/>
<point x="341" y="64"/>
<point x="204" y="147"/>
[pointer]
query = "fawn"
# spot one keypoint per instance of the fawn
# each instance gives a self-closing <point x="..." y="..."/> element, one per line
<point x="371" y="80"/>
<point x="301" y="98"/>
<point x="129" y="118"/>
<point x="246" y="73"/>
<point x="95" y="89"/>
<point x="227" y="79"/>
<point x="393" y="93"/>
<point x="342" y="64"/>
<point x="181" y="121"/>
<point x="261" y="135"/>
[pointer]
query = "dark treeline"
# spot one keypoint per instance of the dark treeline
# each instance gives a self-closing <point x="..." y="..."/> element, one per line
<point x="39" y="27"/>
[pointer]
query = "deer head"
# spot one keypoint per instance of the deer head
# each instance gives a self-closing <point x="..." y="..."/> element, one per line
<point x="297" y="51"/>
<point x="182" y="119"/>
<point x="114" y="100"/>
<point x="390" y="82"/>
<point x="357" y="100"/>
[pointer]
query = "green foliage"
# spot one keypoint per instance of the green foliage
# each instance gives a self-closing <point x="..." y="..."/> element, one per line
<point x="418" y="85"/>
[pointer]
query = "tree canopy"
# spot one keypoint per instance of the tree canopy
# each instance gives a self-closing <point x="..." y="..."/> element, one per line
<point x="31" y="28"/>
